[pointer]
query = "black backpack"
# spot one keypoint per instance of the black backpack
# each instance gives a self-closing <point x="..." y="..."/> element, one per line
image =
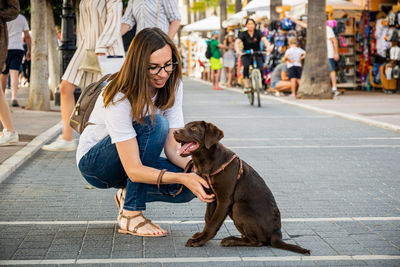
<point x="208" y="51"/>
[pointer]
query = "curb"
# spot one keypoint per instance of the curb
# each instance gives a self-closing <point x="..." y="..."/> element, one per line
<point x="384" y="125"/>
<point x="21" y="156"/>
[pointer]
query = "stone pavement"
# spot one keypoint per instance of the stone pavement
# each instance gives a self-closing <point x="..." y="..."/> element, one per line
<point x="336" y="182"/>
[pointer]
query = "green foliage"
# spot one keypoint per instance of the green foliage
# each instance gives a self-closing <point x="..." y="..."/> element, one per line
<point x="204" y="5"/>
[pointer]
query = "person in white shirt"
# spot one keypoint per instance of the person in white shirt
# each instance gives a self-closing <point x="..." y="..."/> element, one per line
<point x="333" y="52"/>
<point x="16" y="52"/>
<point x="293" y="57"/>
<point x="132" y="121"/>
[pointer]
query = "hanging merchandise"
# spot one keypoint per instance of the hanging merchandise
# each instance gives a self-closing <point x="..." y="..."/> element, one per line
<point x="287" y="24"/>
<point x="364" y="37"/>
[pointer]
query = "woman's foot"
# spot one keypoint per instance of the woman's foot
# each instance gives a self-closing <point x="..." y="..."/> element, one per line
<point x="134" y="223"/>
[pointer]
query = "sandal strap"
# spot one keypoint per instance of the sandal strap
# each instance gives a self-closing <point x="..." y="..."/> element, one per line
<point x="139" y="225"/>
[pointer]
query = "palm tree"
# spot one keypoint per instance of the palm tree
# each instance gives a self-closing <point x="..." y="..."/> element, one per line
<point x="238" y="6"/>
<point x="39" y="96"/>
<point x="315" y="82"/>
<point x="273" y="4"/>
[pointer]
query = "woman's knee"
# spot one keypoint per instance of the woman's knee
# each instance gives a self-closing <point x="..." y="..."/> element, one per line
<point x="159" y="124"/>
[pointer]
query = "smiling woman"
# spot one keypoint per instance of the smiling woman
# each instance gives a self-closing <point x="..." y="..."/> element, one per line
<point x="132" y="121"/>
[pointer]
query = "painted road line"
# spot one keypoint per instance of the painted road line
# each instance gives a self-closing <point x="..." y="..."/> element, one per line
<point x="334" y="219"/>
<point x="203" y="259"/>
<point x="314" y="146"/>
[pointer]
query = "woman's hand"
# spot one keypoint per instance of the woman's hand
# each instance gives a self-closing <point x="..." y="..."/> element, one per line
<point x="195" y="184"/>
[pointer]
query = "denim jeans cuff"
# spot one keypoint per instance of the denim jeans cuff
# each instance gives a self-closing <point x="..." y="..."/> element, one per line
<point x="131" y="208"/>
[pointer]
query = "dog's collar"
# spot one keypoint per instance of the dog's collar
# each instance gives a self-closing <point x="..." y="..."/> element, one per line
<point x="220" y="169"/>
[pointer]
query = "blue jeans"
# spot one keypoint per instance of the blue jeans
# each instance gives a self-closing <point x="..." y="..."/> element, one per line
<point x="102" y="167"/>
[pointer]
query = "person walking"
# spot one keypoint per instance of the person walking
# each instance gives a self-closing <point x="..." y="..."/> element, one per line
<point x="9" y="10"/>
<point x="163" y="14"/>
<point x="132" y="122"/>
<point x="229" y="58"/>
<point x="215" y="59"/>
<point x="98" y="30"/>
<point x="16" y="52"/>
<point x="250" y="39"/>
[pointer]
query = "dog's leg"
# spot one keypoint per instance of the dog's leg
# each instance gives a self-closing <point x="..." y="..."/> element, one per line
<point x="213" y="225"/>
<point x="209" y="212"/>
<point x="233" y="241"/>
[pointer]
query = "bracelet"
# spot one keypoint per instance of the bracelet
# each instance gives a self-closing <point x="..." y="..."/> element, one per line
<point x="160" y="178"/>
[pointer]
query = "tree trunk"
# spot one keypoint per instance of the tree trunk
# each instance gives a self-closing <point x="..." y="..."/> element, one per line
<point x="238" y="6"/>
<point x="273" y="14"/>
<point x="52" y="45"/>
<point x="39" y="97"/>
<point x="222" y="17"/>
<point x="315" y="81"/>
<point x="189" y="18"/>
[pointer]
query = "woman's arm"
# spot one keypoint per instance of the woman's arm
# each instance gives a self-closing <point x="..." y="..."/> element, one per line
<point x="268" y="46"/>
<point x="128" y="152"/>
<point x="173" y="28"/>
<point x="237" y="44"/>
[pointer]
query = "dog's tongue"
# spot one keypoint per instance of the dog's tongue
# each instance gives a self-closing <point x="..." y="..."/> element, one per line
<point x="185" y="148"/>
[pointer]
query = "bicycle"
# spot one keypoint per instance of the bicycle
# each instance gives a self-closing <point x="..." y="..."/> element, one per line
<point x="255" y="77"/>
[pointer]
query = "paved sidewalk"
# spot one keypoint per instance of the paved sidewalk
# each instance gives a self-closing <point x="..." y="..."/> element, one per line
<point x="335" y="181"/>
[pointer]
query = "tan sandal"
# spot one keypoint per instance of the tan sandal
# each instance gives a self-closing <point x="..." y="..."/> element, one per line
<point x="139" y="225"/>
<point x="120" y="199"/>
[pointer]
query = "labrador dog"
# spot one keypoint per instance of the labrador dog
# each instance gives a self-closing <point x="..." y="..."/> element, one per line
<point x="240" y="192"/>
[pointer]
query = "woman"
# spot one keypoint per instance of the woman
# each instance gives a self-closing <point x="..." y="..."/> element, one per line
<point x="163" y="14"/>
<point x="251" y="40"/>
<point x="229" y="58"/>
<point x="133" y="120"/>
<point x="99" y="24"/>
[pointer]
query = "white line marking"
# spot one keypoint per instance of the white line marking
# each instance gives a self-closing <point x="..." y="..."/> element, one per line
<point x="315" y="146"/>
<point x="309" y="139"/>
<point x="336" y="219"/>
<point x="204" y="259"/>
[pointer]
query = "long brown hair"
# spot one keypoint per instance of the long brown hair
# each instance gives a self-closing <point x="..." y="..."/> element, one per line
<point x="132" y="80"/>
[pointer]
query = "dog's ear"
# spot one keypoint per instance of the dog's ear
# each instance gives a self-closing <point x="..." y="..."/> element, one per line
<point x="212" y="135"/>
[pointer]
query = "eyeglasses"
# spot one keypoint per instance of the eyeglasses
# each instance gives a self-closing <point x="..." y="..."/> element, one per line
<point x="154" y="70"/>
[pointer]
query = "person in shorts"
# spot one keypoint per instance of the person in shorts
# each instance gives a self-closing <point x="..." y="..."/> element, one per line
<point x="215" y="59"/>
<point x="15" y="54"/>
<point x="279" y="80"/>
<point x="293" y="57"/>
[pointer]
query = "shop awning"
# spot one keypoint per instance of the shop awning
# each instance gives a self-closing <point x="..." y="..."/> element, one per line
<point x="238" y="17"/>
<point x="208" y="24"/>
<point x="336" y="4"/>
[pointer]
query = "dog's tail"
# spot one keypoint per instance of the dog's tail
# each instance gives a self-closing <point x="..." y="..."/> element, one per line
<point x="277" y="242"/>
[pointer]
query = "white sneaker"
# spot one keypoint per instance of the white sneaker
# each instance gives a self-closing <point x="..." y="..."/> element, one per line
<point x="336" y="93"/>
<point x="8" y="138"/>
<point x="61" y="145"/>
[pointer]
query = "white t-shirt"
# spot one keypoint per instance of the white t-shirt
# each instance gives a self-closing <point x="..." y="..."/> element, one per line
<point x="330" y="34"/>
<point x="294" y="54"/>
<point x="116" y="120"/>
<point x="15" y="29"/>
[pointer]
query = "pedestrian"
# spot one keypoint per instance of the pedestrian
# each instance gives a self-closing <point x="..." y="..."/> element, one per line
<point x="293" y="58"/>
<point x="98" y="30"/>
<point x="250" y="39"/>
<point x="229" y="58"/>
<point x="333" y="52"/>
<point x="16" y="52"/>
<point x="215" y="60"/>
<point x="163" y="14"/>
<point x="132" y="122"/>
<point x="279" y="79"/>
<point x="9" y="10"/>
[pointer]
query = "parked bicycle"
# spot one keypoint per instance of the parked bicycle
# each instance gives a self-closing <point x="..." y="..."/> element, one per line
<point x="255" y="77"/>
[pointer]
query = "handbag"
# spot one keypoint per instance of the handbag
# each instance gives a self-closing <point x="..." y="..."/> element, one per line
<point x="90" y="62"/>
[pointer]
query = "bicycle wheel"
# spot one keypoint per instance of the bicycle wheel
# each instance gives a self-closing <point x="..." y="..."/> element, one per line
<point x="257" y="84"/>
<point x="250" y="95"/>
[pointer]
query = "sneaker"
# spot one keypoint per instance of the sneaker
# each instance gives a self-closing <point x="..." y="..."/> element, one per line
<point x="8" y="138"/>
<point x="246" y="90"/>
<point x="15" y="103"/>
<point x="277" y="94"/>
<point x="61" y="145"/>
<point x="336" y="93"/>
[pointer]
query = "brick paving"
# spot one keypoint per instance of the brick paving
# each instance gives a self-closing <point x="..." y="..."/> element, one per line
<point x="323" y="169"/>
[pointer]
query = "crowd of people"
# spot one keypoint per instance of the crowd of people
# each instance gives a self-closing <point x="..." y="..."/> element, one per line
<point x="281" y="63"/>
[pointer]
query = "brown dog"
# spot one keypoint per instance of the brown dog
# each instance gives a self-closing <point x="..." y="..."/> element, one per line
<point x="240" y="192"/>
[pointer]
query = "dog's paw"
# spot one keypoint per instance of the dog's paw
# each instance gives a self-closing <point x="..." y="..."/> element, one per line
<point x="197" y="235"/>
<point x="228" y="242"/>
<point x="195" y="242"/>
